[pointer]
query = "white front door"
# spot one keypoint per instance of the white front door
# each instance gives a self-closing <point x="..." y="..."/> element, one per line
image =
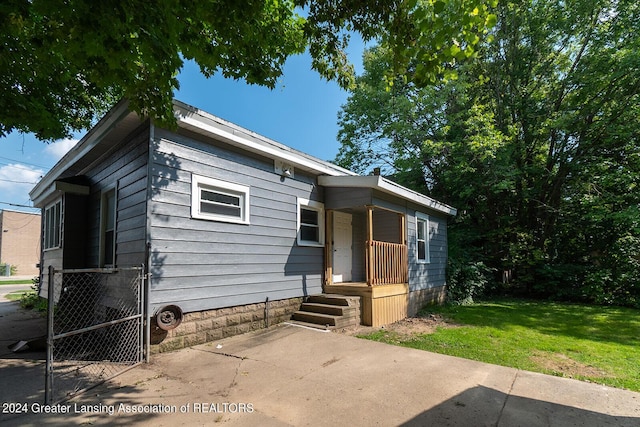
<point x="342" y="239"/>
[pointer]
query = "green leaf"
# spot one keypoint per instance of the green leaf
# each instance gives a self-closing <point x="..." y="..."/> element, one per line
<point x="491" y="20"/>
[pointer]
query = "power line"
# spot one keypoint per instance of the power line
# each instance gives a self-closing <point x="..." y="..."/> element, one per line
<point x="18" y="182"/>
<point x="18" y="205"/>
<point x="19" y="167"/>
<point x="24" y="163"/>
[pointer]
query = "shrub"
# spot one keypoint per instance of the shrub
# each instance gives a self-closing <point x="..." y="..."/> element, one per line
<point x="3" y="269"/>
<point x="32" y="300"/>
<point x="466" y="280"/>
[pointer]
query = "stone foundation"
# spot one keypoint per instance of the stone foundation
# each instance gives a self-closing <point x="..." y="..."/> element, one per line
<point x="211" y="325"/>
<point x="418" y="299"/>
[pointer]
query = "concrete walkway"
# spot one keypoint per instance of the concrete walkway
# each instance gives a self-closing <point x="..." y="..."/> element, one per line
<point x="290" y="376"/>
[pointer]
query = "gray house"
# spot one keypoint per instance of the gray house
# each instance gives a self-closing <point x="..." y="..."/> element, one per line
<point x="225" y="218"/>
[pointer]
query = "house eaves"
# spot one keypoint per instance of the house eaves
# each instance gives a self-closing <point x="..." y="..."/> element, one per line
<point x="382" y="184"/>
<point x="201" y="122"/>
<point x="118" y="122"/>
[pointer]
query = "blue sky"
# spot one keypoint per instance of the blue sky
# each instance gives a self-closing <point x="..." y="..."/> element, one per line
<point x="300" y="112"/>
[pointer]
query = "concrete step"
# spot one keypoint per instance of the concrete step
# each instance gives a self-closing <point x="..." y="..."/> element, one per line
<point x="318" y="318"/>
<point x="330" y="299"/>
<point x="309" y="325"/>
<point x="327" y="320"/>
<point x="335" y="310"/>
<point x="329" y="311"/>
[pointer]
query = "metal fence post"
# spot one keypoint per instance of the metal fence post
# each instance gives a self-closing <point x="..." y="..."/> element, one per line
<point x="48" y="387"/>
<point x="144" y="309"/>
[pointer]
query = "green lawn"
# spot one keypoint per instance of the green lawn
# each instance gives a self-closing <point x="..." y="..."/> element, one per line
<point x="16" y="282"/>
<point x="591" y="343"/>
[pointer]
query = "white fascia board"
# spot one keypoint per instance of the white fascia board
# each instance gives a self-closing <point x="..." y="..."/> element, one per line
<point x="195" y="119"/>
<point x="382" y="184"/>
<point x="56" y="189"/>
<point x="66" y="187"/>
<point x="43" y="194"/>
<point x="46" y="186"/>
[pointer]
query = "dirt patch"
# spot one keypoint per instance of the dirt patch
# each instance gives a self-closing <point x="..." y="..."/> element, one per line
<point x="406" y="328"/>
<point x="562" y="364"/>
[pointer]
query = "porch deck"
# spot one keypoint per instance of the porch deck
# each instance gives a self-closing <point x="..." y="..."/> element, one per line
<point x="380" y="304"/>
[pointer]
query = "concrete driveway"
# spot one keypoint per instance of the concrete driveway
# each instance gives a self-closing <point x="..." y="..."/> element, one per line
<point x="291" y="376"/>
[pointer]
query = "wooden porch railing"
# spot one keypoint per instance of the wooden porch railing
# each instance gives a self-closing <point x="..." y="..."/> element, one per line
<point x="386" y="263"/>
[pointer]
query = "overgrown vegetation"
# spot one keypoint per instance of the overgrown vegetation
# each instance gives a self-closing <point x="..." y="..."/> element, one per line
<point x="31" y="300"/>
<point x="536" y="144"/>
<point x="591" y="343"/>
<point x="466" y="280"/>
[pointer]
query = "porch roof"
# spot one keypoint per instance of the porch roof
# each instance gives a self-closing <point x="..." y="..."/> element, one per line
<point x="380" y="183"/>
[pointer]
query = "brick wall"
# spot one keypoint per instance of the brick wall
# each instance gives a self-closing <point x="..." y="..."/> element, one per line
<point x="20" y="241"/>
<point x="211" y="325"/>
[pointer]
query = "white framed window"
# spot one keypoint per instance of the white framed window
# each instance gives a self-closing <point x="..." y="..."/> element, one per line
<point x="108" y="228"/>
<point x="422" y="238"/>
<point x="310" y="223"/>
<point x="53" y="225"/>
<point x="218" y="200"/>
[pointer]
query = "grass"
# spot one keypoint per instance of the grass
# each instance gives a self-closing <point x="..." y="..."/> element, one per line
<point x="18" y="295"/>
<point x="16" y="282"/>
<point x="590" y="343"/>
<point x="29" y="299"/>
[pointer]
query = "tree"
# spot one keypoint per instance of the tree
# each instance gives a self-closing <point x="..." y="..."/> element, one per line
<point x="65" y="62"/>
<point x="536" y="143"/>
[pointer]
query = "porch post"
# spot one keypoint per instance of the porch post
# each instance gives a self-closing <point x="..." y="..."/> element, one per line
<point x="369" y="250"/>
<point x="328" y="248"/>
<point x="404" y="272"/>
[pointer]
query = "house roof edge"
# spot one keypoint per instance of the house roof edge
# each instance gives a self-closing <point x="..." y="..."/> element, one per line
<point x="387" y="186"/>
<point x="193" y="118"/>
<point x="46" y="186"/>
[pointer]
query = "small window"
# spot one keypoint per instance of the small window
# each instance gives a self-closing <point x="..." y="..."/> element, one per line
<point x="422" y="240"/>
<point x="52" y="225"/>
<point x="109" y="228"/>
<point x="310" y="223"/>
<point x="217" y="200"/>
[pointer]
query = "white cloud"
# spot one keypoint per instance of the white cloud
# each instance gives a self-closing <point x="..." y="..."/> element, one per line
<point x="16" y="180"/>
<point x="60" y="148"/>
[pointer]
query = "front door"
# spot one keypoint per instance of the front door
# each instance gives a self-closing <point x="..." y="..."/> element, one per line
<point x="342" y="239"/>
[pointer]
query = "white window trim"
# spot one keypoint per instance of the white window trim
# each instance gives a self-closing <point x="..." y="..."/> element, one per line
<point x="427" y="242"/>
<point x="223" y="187"/>
<point x="46" y="231"/>
<point x="315" y="206"/>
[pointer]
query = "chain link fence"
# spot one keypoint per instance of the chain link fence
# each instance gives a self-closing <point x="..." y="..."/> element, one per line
<point x="95" y="328"/>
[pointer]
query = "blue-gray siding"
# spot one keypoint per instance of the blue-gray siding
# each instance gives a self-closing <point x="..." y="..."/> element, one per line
<point x="126" y="170"/>
<point x="200" y="264"/>
<point x="432" y="274"/>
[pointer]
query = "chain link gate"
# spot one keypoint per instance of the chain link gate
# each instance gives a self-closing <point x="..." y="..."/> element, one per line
<point x="95" y="328"/>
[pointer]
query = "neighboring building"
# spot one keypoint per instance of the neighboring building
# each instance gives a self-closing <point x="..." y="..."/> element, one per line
<point x="224" y="217"/>
<point x="20" y="241"/>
